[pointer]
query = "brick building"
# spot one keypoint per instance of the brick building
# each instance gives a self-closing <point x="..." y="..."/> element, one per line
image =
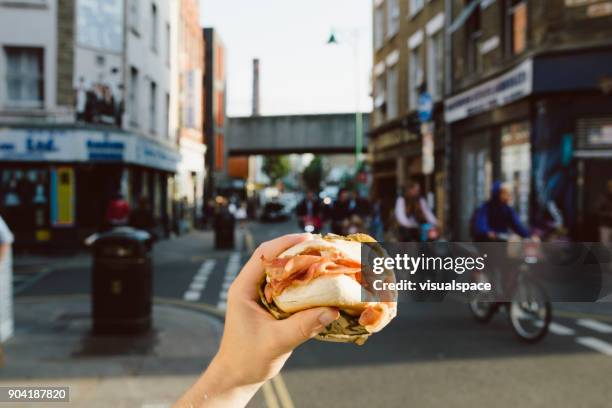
<point x="530" y="104"/>
<point x="408" y="63"/>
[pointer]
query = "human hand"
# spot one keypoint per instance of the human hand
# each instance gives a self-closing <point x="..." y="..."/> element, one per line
<point x="255" y="345"/>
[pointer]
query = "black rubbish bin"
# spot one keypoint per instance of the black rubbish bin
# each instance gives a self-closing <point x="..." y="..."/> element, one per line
<point x="224" y="230"/>
<point x="122" y="282"/>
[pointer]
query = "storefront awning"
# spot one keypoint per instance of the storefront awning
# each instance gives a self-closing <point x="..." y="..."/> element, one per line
<point x="66" y="144"/>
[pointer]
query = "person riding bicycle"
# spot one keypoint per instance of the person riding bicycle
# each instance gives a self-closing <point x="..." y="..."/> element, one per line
<point x="309" y="209"/>
<point x="496" y="218"/>
<point x="412" y="212"/>
<point x="341" y="212"/>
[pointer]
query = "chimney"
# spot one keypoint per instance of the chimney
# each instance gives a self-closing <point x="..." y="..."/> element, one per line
<point x="255" y="87"/>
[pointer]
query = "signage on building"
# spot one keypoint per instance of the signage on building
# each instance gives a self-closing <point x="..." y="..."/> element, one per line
<point x="425" y="106"/>
<point x="503" y="90"/>
<point x="192" y="99"/>
<point x="62" y="196"/>
<point x="84" y="145"/>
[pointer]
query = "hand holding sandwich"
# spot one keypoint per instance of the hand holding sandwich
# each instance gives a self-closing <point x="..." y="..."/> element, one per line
<point x="255" y="345"/>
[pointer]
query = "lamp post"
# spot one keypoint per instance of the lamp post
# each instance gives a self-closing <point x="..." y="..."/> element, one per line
<point x="354" y="43"/>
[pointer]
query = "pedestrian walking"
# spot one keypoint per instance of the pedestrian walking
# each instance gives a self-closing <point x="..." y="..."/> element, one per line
<point x="6" y="282"/>
<point x="411" y="212"/>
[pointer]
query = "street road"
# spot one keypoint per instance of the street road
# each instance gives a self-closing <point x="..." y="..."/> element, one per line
<point x="432" y="355"/>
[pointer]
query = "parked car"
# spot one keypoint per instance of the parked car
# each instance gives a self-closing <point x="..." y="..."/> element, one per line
<point x="274" y="211"/>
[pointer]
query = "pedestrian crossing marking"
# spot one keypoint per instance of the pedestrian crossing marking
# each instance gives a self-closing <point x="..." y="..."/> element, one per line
<point x="595" y="325"/>
<point x="596" y="344"/>
<point x="231" y="270"/>
<point x="560" y="330"/>
<point x="194" y="293"/>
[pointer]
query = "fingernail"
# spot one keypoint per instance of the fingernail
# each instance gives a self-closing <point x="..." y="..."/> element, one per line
<point x="327" y="317"/>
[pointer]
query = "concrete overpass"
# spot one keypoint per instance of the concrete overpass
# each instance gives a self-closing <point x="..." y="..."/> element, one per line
<point x="319" y="134"/>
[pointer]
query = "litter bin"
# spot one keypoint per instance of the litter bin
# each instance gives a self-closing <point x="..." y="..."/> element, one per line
<point x="122" y="282"/>
<point x="224" y="230"/>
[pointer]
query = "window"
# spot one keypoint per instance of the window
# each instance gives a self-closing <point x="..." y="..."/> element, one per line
<point x="415" y="77"/>
<point x="379" y="27"/>
<point x="393" y="14"/>
<point x="168" y="45"/>
<point x="166" y="128"/>
<point x="133" y="97"/>
<point x="416" y="6"/>
<point x="134" y="16"/>
<point x="152" y="107"/>
<point x="380" y="98"/>
<point x="154" y="27"/>
<point x="392" y="91"/>
<point x="24" y="77"/>
<point x="473" y="33"/>
<point x="435" y="64"/>
<point x="516" y="27"/>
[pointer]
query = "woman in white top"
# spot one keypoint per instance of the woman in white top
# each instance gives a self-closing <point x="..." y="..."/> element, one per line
<point x="412" y="211"/>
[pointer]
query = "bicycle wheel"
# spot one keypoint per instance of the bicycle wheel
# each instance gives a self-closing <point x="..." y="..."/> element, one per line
<point x="530" y="311"/>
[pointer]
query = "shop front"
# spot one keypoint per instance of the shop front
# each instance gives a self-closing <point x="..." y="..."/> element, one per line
<point x="56" y="182"/>
<point x="541" y="129"/>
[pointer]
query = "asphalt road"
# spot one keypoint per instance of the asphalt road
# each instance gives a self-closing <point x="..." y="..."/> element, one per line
<point x="432" y="355"/>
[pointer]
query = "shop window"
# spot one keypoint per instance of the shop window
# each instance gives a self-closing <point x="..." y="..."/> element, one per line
<point x="24" y="77"/>
<point x="516" y="165"/>
<point x="25" y="198"/>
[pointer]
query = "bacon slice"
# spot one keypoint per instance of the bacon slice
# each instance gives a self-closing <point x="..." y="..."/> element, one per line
<point x="301" y="269"/>
<point x="373" y="315"/>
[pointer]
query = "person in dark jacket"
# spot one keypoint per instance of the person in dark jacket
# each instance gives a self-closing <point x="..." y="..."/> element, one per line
<point x="309" y="206"/>
<point x="142" y="216"/>
<point x="309" y="210"/>
<point x="341" y="212"/>
<point x="497" y="217"/>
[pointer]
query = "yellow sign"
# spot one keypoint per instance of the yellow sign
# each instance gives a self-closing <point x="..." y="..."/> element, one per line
<point x="62" y="208"/>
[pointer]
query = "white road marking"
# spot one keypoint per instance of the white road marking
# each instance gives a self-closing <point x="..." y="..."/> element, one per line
<point x="282" y="392"/>
<point x="269" y="396"/>
<point x="596" y="344"/>
<point x="231" y="270"/>
<point x="560" y="330"/>
<point x="595" y="325"/>
<point x="197" y="285"/>
<point x="194" y="293"/>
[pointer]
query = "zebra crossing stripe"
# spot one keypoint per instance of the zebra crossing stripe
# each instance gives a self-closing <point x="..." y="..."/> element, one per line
<point x="596" y="344"/>
<point x="560" y="330"/>
<point x="595" y="325"/>
<point x="231" y="270"/>
<point x="198" y="283"/>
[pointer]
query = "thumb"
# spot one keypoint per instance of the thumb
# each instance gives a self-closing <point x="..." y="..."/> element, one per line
<point x="305" y="325"/>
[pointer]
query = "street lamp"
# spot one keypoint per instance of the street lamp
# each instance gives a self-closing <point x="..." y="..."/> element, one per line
<point x="354" y="43"/>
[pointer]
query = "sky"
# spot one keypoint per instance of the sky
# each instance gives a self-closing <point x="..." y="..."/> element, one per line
<point x="299" y="72"/>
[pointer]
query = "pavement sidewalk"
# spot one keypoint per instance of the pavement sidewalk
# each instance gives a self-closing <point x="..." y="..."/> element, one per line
<point x="196" y="241"/>
<point x="53" y="346"/>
